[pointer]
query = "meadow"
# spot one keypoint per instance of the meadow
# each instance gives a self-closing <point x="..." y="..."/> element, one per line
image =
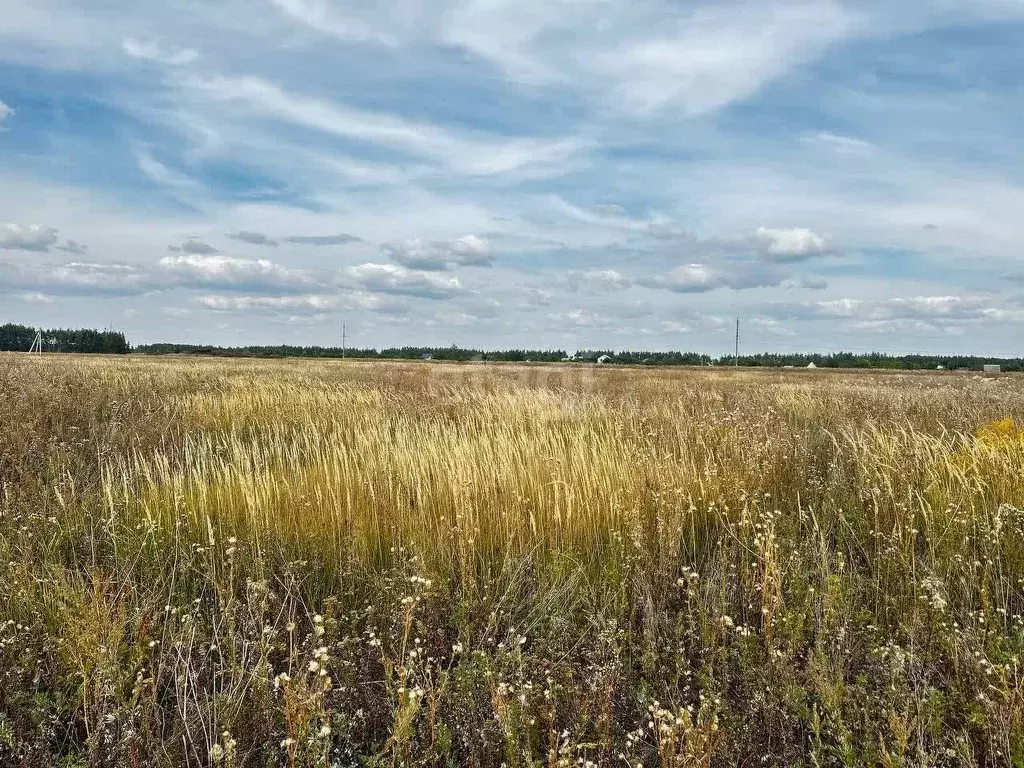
<point x="301" y="563"/>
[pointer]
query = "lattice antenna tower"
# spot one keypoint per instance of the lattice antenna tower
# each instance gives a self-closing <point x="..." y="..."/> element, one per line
<point x="736" y="356"/>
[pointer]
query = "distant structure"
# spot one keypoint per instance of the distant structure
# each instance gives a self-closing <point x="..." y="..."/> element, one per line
<point x="426" y="356"/>
<point x="940" y="367"/>
<point x="811" y="365"/>
<point x="37" y="344"/>
<point x="991" y="368"/>
<point x="736" y="356"/>
<point x="603" y="360"/>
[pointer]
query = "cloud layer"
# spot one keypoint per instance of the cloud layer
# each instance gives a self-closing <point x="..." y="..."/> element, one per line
<point x="597" y="173"/>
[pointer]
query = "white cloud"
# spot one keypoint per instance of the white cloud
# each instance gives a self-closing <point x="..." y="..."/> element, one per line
<point x="151" y="50"/>
<point x="604" y="279"/>
<point x="795" y="244"/>
<point x="200" y="269"/>
<point x="672" y="326"/>
<point x="580" y="318"/>
<point x="692" y="278"/>
<point x="702" y="278"/>
<point x="769" y="325"/>
<point x="398" y="280"/>
<point x="35" y="297"/>
<point x="875" y="314"/>
<point x="229" y="303"/>
<point x="468" y="250"/>
<point x="81" y="278"/>
<point x="5" y="112"/>
<point x="14" y="237"/>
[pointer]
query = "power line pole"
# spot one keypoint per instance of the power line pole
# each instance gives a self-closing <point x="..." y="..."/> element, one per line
<point x="736" y="357"/>
<point x="37" y="344"/>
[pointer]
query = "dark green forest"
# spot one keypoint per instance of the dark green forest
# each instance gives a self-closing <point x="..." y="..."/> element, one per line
<point x="18" y="338"/>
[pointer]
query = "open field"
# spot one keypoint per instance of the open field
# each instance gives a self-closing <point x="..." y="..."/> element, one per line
<point x="295" y="563"/>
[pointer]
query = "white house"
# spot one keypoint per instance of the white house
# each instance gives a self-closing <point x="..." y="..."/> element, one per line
<point x="991" y="368"/>
<point x="811" y="365"/>
<point x="603" y="360"/>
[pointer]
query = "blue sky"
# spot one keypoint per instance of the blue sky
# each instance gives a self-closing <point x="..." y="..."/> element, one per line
<point x="589" y="173"/>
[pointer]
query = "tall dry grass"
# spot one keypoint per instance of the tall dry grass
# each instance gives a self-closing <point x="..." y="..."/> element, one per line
<point x="302" y="563"/>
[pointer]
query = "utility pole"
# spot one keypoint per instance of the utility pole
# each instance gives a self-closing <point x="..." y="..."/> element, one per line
<point x="343" y="339"/>
<point x="736" y="357"/>
<point x="37" y="344"/>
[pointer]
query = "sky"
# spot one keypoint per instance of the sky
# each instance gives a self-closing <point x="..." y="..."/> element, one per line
<point x="611" y="174"/>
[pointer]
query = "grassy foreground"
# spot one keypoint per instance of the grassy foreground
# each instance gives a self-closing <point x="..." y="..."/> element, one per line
<point x="253" y="563"/>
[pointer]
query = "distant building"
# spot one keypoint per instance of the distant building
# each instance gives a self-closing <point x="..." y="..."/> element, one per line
<point x="991" y="368"/>
<point x="426" y="356"/>
<point x="603" y="360"/>
<point x="811" y="365"/>
<point x="940" y="367"/>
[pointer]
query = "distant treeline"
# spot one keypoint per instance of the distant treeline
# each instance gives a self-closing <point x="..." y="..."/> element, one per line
<point x="457" y="354"/>
<point x="18" y="338"/>
<point x="878" y="360"/>
<point x="835" y="360"/>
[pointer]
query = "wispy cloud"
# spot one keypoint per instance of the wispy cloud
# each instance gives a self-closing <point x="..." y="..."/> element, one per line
<point x="193" y="245"/>
<point x="253" y="238"/>
<point x="321" y="240"/>
<point x="474" y="154"/>
<point x="151" y="50"/>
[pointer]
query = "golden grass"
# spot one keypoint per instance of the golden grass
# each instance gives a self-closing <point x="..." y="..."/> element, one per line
<point x="835" y="557"/>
